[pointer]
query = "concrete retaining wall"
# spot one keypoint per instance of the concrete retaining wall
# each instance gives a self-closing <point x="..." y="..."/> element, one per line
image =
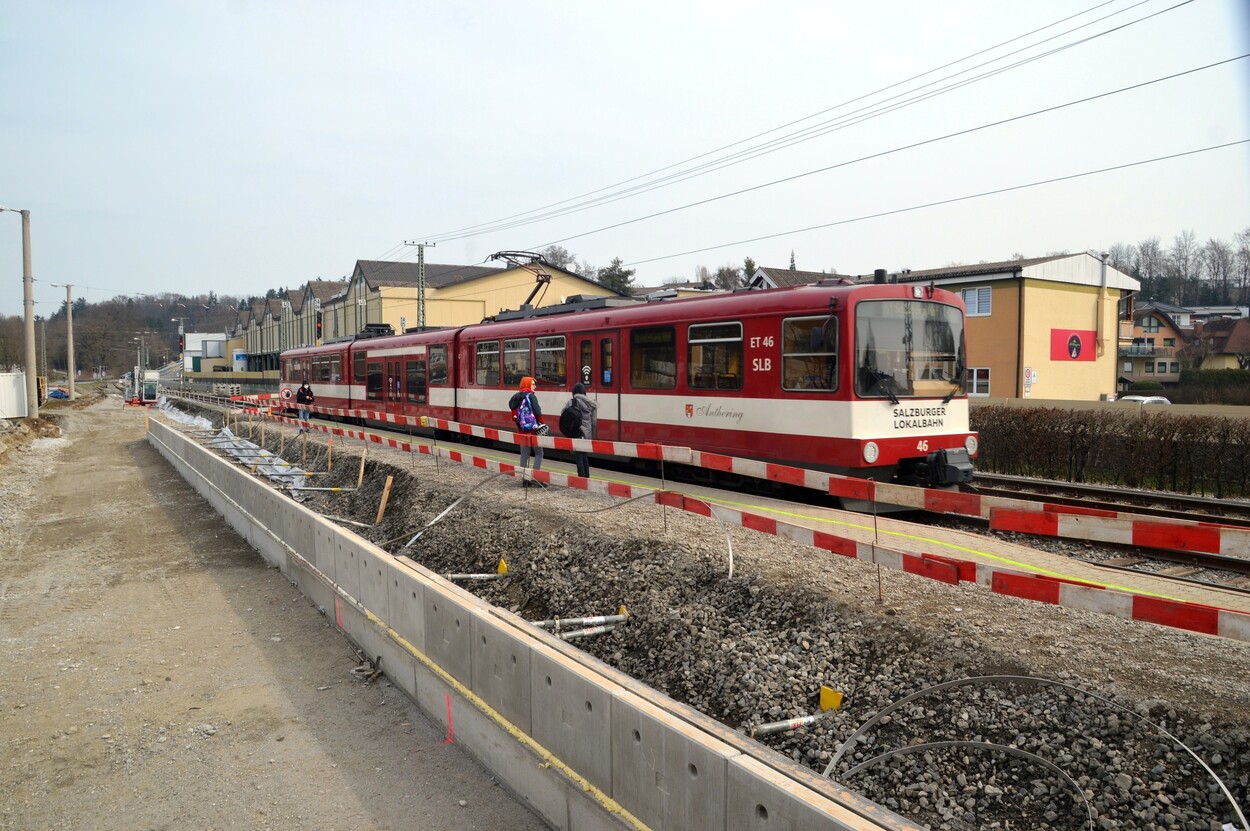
<point x="584" y="745"/>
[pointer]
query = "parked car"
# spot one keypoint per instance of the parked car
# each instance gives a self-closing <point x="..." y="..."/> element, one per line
<point x="1144" y="399"/>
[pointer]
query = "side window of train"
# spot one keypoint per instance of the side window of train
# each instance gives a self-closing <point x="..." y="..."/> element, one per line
<point x="336" y="368"/>
<point x="653" y="358"/>
<point x="438" y="364"/>
<point x="552" y="360"/>
<point x="487" y="369"/>
<point x="809" y="353"/>
<point x="415" y="370"/>
<point x="374" y="383"/>
<point x="516" y="361"/>
<point x="358" y="368"/>
<point x="714" y="356"/>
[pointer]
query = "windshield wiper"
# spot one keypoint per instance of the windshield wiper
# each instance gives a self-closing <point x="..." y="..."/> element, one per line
<point x="884" y="380"/>
<point x="959" y="370"/>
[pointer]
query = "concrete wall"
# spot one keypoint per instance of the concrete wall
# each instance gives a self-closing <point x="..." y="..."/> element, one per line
<point x="585" y="746"/>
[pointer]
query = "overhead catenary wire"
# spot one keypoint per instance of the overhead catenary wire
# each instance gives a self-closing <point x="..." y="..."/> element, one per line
<point x="902" y="148"/>
<point x="853" y="118"/>
<point x="482" y="227"/>
<point x="940" y="202"/>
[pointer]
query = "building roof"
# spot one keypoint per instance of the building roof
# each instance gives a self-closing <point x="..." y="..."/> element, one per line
<point x="910" y="276"/>
<point x="323" y="290"/>
<point x="1226" y="336"/>
<point x="782" y="277"/>
<point x="1166" y="308"/>
<point x="392" y="273"/>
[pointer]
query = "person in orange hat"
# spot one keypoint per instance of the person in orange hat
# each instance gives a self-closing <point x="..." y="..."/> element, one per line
<point x="529" y="419"/>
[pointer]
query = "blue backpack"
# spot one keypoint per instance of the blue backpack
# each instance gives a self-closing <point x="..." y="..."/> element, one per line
<point x="525" y="415"/>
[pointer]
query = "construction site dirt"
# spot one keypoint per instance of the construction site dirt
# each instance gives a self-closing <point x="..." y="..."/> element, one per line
<point x="748" y="649"/>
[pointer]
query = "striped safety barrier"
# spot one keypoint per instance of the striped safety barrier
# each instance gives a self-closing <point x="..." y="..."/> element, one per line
<point x="1002" y="513"/>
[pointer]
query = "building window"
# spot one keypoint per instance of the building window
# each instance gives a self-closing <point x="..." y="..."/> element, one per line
<point x="809" y="353"/>
<point x="1150" y="367"/>
<point x="714" y="356"/>
<point x="978" y="380"/>
<point x="977" y="301"/>
<point x="1128" y="366"/>
<point x="653" y="358"/>
<point x="1169" y="341"/>
<point x="1176" y="367"/>
<point x="1150" y="324"/>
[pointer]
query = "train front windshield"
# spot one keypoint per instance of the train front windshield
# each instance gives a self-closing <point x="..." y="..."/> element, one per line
<point x="908" y="349"/>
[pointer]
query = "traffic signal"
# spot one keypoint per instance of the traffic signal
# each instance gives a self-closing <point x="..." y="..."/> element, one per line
<point x="318" y="328"/>
<point x="181" y="344"/>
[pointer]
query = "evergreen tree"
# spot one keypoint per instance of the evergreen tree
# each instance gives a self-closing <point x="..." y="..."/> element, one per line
<point x="616" y="277"/>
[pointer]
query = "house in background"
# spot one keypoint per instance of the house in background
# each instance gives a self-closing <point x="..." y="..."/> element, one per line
<point x="1047" y="327"/>
<point x="1154" y="354"/>
<point x="1223" y="343"/>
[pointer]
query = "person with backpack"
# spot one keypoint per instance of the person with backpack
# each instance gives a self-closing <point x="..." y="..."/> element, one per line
<point x="528" y="417"/>
<point x="587" y="425"/>
<point x="304" y="398"/>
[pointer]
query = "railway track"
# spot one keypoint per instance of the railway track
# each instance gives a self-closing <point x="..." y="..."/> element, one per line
<point x="1228" y="573"/>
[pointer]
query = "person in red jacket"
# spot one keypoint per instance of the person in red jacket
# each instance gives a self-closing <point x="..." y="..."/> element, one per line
<point x="525" y="395"/>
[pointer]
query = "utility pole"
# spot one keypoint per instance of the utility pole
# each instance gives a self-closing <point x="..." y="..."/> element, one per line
<point x="28" y="301"/>
<point x="420" y="280"/>
<point x="69" y="336"/>
<point x="43" y="345"/>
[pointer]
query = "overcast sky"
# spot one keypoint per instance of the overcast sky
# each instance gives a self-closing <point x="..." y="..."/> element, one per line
<point x="238" y="146"/>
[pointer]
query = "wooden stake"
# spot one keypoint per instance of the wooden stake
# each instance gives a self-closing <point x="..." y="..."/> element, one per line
<point x="303" y="453"/>
<point x="330" y="456"/>
<point x="360" y="480"/>
<point x="281" y="441"/>
<point x="386" y="495"/>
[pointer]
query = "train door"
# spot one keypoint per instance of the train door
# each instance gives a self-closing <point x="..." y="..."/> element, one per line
<point x="597" y="361"/>
<point x="394" y="385"/>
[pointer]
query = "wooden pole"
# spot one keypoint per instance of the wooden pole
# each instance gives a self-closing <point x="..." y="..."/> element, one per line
<point x="360" y="480"/>
<point x="330" y="456"/>
<point x="386" y="495"/>
<point x="303" y="454"/>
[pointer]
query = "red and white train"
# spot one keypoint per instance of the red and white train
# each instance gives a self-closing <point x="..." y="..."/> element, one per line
<point x="864" y="378"/>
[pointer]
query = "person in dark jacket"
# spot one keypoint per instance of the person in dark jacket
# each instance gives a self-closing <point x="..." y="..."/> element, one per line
<point x="304" y="398"/>
<point x="590" y="426"/>
<point x="527" y="391"/>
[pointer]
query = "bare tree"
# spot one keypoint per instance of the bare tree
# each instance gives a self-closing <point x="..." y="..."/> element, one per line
<point x="1241" y="265"/>
<point x="1148" y="263"/>
<point x="1121" y="257"/>
<point x="1182" y="268"/>
<point x="702" y="274"/>
<point x="727" y="277"/>
<point x="1217" y="267"/>
<point x="558" y="256"/>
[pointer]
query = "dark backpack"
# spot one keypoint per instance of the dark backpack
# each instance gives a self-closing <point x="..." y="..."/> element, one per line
<point x="525" y="415"/>
<point x="571" y="420"/>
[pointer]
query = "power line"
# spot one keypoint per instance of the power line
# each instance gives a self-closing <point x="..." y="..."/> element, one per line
<point x="899" y="149"/>
<point x="940" y="202"/>
<point x="799" y="136"/>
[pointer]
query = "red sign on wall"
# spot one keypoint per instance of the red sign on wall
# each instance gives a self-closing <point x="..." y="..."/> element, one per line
<point x="1073" y="344"/>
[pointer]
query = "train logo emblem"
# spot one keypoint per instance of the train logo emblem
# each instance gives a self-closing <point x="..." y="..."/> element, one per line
<point x="689" y="411"/>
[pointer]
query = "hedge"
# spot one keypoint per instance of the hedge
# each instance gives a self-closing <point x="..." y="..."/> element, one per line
<point x="1205" y="455"/>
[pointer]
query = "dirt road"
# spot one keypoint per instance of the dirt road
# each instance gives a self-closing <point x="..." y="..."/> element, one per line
<point x="158" y="675"/>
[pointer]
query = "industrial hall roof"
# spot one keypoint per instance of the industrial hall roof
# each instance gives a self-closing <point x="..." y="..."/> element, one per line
<point x="978" y="268"/>
<point x="392" y="273"/>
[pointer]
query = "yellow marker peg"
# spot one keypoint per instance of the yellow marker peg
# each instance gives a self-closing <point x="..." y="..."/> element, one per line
<point x="502" y="568"/>
<point x="830" y="699"/>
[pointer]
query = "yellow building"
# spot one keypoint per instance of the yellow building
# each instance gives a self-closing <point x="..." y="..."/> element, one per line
<point x="1155" y="351"/>
<point x="383" y="293"/>
<point x="1049" y="327"/>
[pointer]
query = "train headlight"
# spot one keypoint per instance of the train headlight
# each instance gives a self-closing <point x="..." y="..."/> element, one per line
<point x="971" y="445"/>
<point x="871" y="452"/>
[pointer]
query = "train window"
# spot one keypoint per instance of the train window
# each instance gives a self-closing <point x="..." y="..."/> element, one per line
<point x="373" y="385"/>
<point x="908" y="348"/>
<point x="714" y="356"/>
<point x="416" y="379"/>
<point x="552" y="360"/>
<point x="516" y="361"/>
<point x="653" y="358"/>
<point x="488" y="362"/>
<point x="809" y="353"/>
<point x="438" y="364"/>
<point x="336" y="369"/>
<point x="358" y="368"/>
